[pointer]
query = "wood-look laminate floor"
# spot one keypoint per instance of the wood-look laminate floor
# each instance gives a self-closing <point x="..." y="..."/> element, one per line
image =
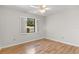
<point x="43" y="46"/>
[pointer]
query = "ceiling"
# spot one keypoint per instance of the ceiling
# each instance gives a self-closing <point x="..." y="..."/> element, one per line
<point x="53" y="9"/>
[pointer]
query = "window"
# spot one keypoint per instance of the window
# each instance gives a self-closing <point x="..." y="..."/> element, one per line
<point x="28" y="25"/>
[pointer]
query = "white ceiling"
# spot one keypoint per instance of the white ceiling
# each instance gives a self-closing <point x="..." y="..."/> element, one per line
<point x="53" y="9"/>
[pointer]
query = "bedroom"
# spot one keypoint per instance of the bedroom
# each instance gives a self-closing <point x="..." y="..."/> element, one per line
<point x="54" y="29"/>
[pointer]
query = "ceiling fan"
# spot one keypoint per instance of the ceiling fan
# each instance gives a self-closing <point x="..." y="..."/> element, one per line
<point x="41" y="8"/>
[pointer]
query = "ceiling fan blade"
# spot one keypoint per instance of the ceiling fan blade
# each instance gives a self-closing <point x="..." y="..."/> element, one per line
<point x="47" y="8"/>
<point x="33" y="6"/>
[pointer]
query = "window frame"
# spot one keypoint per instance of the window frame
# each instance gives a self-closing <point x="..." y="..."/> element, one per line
<point x="21" y="18"/>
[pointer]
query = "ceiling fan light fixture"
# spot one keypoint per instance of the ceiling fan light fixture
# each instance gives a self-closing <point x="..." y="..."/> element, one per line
<point x="41" y="8"/>
<point x="42" y="11"/>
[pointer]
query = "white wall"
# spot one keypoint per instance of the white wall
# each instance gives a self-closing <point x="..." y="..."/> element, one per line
<point x="64" y="26"/>
<point x="10" y="27"/>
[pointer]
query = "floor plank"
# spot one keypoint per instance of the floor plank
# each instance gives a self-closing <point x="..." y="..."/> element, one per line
<point x="43" y="46"/>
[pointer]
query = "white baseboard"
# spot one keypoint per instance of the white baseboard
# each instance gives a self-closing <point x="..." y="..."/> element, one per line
<point x="69" y="43"/>
<point x="6" y="46"/>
